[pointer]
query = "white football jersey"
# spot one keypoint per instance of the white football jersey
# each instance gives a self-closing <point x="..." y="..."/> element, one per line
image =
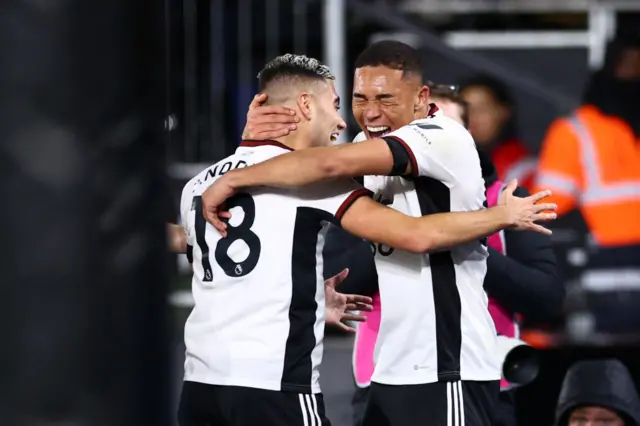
<point x="435" y="323"/>
<point x="259" y="312"/>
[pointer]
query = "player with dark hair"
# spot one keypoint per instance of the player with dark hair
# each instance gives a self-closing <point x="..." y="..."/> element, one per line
<point x="254" y="337"/>
<point x="435" y="350"/>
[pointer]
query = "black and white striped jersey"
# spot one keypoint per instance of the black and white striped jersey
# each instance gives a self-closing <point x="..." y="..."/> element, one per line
<point x="258" y="319"/>
<point x="435" y="323"/>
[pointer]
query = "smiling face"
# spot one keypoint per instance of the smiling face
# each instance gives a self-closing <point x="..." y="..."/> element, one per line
<point x="384" y="100"/>
<point x="326" y="123"/>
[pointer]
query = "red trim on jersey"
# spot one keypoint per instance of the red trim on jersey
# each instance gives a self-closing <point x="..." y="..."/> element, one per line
<point x="433" y="108"/>
<point x="348" y="202"/>
<point x="253" y="143"/>
<point x="412" y="158"/>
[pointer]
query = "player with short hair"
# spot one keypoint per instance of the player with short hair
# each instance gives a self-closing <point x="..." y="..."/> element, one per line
<point x="435" y="359"/>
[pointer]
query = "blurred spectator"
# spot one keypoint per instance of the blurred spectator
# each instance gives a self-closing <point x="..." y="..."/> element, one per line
<point x="599" y="392"/>
<point x="492" y="123"/>
<point x="450" y="102"/>
<point x="591" y="160"/>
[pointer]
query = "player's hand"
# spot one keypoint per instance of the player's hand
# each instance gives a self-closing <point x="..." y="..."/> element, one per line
<point x="525" y="212"/>
<point x="213" y="204"/>
<point x="338" y="305"/>
<point x="268" y="121"/>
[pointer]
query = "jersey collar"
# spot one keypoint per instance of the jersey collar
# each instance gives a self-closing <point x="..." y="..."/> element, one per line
<point x="434" y="111"/>
<point x="255" y="143"/>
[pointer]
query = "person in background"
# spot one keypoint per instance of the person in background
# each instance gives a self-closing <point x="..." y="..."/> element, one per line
<point x="492" y="124"/>
<point x="598" y="392"/>
<point x="591" y="161"/>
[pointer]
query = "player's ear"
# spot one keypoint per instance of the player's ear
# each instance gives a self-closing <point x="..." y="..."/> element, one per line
<point x="421" y="102"/>
<point x="304" y="104"/>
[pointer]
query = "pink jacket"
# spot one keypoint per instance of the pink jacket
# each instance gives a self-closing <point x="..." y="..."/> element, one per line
<point x="367" y="332"/>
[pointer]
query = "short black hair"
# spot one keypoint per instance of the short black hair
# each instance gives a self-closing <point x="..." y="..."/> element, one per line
<point x="498" y="89"/>
<point x="391" y="54"/>
<point x="292" y="66"/>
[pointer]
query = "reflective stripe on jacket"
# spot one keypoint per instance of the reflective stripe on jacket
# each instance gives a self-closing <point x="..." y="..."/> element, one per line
<point x="592" y="161"/>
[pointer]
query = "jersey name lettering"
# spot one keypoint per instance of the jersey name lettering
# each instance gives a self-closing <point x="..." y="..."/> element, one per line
<point x="221" y="169"/>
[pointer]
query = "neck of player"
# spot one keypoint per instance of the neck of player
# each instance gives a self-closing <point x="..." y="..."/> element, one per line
<point x="297" y="139"/>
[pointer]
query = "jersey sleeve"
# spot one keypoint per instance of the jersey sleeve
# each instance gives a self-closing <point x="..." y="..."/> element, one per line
<point x="185" y="207"/>
<point x="424" y="147"/>
<point x="336" y="197"/>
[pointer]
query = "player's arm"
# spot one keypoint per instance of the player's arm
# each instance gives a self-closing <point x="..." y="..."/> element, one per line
<point x="176" y="238"/>
<point x="374" y="222"/>
<point x="301" y="168"/>
<point x="307" y="166"/>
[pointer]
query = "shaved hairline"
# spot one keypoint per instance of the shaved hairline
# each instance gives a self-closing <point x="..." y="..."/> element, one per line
<point x="286" y="88"/>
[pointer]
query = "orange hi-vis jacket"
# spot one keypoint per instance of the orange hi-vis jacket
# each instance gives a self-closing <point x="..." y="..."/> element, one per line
<point x="592" y="161"/>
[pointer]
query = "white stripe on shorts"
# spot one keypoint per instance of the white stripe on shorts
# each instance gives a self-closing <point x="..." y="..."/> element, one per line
<point x="455" y="404"/>
<point x="309" y="408"/>
<point x="461" y="403"/>
<point x="449" y="404"/>
<point x="303" y="408"/>
<point x="456" y="413"/>
<point x="315" y="409"/>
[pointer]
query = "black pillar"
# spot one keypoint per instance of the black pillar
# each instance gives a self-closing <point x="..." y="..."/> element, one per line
<point x="82" y="283"/>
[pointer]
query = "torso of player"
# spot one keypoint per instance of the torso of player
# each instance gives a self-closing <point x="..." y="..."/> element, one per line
<point x="258" y="319"/>
<point x="406" y="352"/>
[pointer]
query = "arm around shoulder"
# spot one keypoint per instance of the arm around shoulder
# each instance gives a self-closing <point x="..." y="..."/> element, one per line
<point x="311" y="165"/>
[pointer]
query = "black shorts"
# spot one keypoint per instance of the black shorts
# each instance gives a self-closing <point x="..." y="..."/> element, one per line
<point x="213" y="405"/>
<point x="461" y="403"/>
